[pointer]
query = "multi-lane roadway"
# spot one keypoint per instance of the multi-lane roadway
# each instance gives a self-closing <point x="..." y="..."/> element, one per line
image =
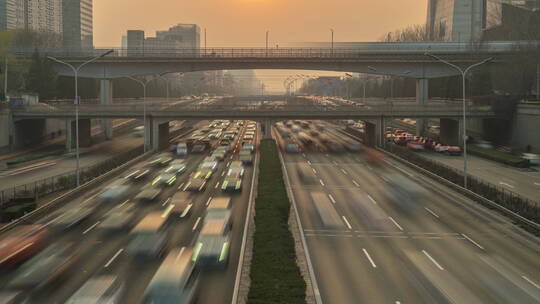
<point x="381" y="233"/>
<point x="105" y="253"/>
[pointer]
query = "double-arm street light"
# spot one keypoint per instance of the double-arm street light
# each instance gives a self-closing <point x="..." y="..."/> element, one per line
<point x="77" y="101"/>
<point x="143" y="84"/>
<point x="464" y="78"/>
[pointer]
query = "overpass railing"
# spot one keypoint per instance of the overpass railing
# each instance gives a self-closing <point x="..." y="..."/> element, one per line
<point x="292" y="52"/>
<point x="138" y="108"/>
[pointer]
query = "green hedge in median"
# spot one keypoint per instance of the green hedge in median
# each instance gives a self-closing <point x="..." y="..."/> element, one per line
<point x="497" y="156"/>
<point x="275" y="276"/>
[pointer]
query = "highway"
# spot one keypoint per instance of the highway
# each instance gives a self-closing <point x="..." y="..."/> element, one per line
<point x="385" y="234"/>
<point x="105" y="253"/>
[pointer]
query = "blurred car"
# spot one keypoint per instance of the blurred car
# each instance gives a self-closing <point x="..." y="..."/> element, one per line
<point x="291" y="147"/>
<point x="198" y="148"/>
<point x="72" y="216"/>
<point x="214" y="135"/>
<point x="440" y="148"/>
<point x="148" y="236"/>
<point x="181" y="204"/>
<point x="176" y="280"/>
<point x="236" y="169"/>
<point x="232" y="183"/>
<point x="119" y="218"/>
<point x="176" y="168"/>
<point x="44" y="268"/>
<point x="195" y="185"/>
<point x="353" y="147"/>
<point x="245" y="157"/>
<point x="104" y="289"/>
<point x="148" y="194"/>
<point x="213" y="244"/>
<point x="415" y="146"/>
<point x="210" y="164"/>
<point x="248" y="136"/>
<point x="114" y="191"/>
<point x="164" y="180"/>
<point x="454" y="150"/>
<point x="534" y="159"/>
<point x="248" y="146"/>
<point x="13" y="296"/>
<point x="218" y="155"/>
<point x="21" y="243"/>
<point x="204" y="173"/>
<point x="181" y="149"/>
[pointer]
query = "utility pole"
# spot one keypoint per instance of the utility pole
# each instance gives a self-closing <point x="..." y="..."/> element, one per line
<point x="5" y="78"/>
<point x="332" y="43"/>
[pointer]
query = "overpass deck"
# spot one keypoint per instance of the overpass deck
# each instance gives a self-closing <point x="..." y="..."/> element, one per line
<point x="174" y="112"/>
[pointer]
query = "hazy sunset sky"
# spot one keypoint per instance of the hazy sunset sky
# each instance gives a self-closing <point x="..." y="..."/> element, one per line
<point x="244" y="22"/>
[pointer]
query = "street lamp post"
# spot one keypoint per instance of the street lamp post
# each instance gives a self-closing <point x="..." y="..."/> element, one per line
<point x="464" y="77"/>
<point x="267" y="32"/>
<point x="5" y="77"/>
<point x="332" y="43"/>
<point x="77" y="102"/>
<point x="143" y="84"/>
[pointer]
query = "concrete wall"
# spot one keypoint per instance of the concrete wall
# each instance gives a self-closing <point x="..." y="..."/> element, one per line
<point x="526" y="128"/>
<point x="450" y="129"/>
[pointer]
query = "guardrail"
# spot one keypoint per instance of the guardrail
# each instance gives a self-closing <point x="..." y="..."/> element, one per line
<point x="155" y="108"/>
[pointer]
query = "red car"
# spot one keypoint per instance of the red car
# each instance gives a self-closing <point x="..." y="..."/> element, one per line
<point x="21" y="243"/>
<point x="454" y="150"/>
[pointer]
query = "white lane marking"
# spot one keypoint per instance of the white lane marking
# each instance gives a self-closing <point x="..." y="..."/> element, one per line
<point x="196" y="224"/>
<point x="16" y="252"/>
<point x="398" y="302"/>
<point x="122" y="204"/>
<point x="371" y="199"/>
<point x="304" y="155"/>
<point x="314" y="171"/>
<point x="395" y="223"/>
<point x="384" y="179"/>
<point x="346" y="222"/>
<point x="538" y="184"/>
<point x="531" y="282"/>
<point x="432" y="260"/>
<point x="208" y="201"/>
<point x="335" y="162"/>
<point x="309" y="162"/>
<point x="131" y="174"/>
<point x="181" y="185"/>
<point x="166" y="201"/>
<point x="217" y="185"/>
<point x="472" y="241"/>
<point x="355" y="183"/>
<point x="506" y="184"/>
<point x="90" y="198"/>
<point x="91" y="227"/>
<point x="432" y="213"/>
<point x="223" y="173"/>
<point x="228" y="164"/>
<point x="369" y="258"/>
<point x="344" y="172"/>
<point x="327" y="155"/>
<point x="180" y="253"/>
<point x="369" y="167"/>
<point x="331" y="198"/>
<point x="321" y="182"/>
<point x="113" y="258"/>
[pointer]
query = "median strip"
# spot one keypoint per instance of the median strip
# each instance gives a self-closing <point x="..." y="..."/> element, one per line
<point x="275" y="276"/>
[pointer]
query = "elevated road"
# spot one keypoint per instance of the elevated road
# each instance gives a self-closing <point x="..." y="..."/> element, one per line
<point x="160" y="111"/>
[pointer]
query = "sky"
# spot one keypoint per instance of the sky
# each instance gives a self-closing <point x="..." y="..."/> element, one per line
<point x="245" y="22"/>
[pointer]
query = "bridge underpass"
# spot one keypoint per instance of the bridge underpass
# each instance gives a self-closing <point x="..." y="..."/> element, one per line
<point x="159" y="115"/>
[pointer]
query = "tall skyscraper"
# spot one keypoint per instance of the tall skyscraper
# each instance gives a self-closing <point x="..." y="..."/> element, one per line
<point x="466" y="20"/>
<point x="36" y="15"/>
<point x="78" y="24"/>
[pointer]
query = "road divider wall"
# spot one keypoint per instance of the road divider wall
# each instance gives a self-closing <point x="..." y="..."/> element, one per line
<point x="275" y="275"/>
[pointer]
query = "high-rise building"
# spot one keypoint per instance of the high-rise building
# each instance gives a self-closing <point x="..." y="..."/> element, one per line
<point x="135" y="42"/>
<point x="466" y="20"/>
<point x="78" y="30"/>
<point x="37" y="15"/>
<point x="181" y="36"/>
<point x="12" y="14"/>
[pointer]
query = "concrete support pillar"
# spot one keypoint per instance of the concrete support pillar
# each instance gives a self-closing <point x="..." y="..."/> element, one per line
<point x="105" y="98"/>
<point x="85" y="134"/>
<point x="370" y="134"/>
<point x="160" y="135"/>
<point x="267" y="129"/>
<point x="422" y="98"/>
<point x="380" y="132"/>
<point x="148" y="127"/>
<point x="451" y="131"/>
